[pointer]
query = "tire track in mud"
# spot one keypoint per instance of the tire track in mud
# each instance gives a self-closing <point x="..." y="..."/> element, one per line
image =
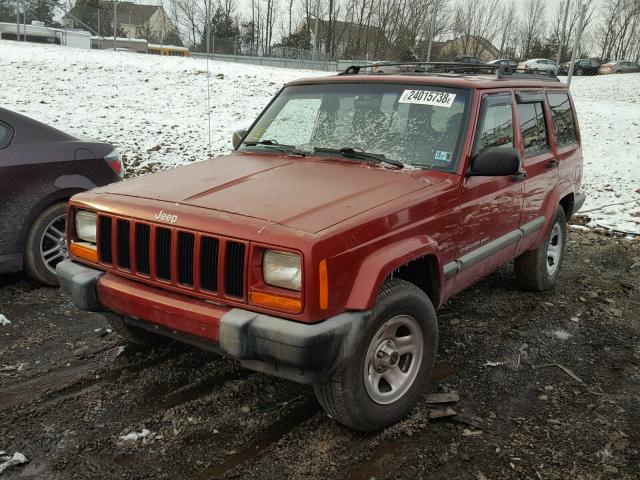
<point x="269" y="436"/>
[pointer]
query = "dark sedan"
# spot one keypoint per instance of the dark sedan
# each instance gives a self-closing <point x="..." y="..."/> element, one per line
<point x="580" y="67"/>
<point x="40" y="169"/>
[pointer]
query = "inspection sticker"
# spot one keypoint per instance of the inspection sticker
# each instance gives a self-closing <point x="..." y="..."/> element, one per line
<point x="443" y="156"/>
<point x="426" y="97"/>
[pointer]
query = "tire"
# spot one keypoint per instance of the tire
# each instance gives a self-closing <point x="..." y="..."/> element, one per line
<point x="46" y="244"/>
<point x="538" y="270"/>
<point x="133" y="334"/>
<point x="352" y="396"/>
<point x="580" y="72"/>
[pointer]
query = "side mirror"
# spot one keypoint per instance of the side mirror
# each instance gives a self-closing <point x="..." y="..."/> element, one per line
<point x="495" y="162"/>
<point x="237" y="138"/>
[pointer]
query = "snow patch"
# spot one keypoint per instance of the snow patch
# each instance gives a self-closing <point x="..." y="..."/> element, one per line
<point x="133" y="437"/>
<point x="7" y="461"/>
<point x="4" y="320"/>
<point x="561" y="334"/>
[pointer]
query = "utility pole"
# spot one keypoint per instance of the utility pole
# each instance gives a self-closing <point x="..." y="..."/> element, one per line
<point x="576" y="43"/>
<point x="18" y="20"/>
<point x="115" y="23"/>
<point x="207" y="26"/>
<point x="316" y="34"/>
<point x="562" y="35"/>
<point x="432" y="28"/>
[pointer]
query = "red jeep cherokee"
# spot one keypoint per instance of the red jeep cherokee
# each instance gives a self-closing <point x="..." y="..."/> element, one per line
<point x="353" y="207"/>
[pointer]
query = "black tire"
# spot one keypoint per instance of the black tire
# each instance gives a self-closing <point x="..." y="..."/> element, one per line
<point x="579" y="72"/>
<point x="134" y="334"/>
<point x="34" y="264"/>
<point x="532" y="272"/>
<point x="344" y="395"/>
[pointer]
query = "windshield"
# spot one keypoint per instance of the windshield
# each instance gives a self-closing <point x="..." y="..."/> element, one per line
<point x="418" y="125"/>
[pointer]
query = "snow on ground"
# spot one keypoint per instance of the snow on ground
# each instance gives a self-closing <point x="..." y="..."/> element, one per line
<point x="154" y="110"/>
<point x="4" y="320"/>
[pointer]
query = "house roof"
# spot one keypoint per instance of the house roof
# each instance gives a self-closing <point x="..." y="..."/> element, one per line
<point x="342" y="30"/>
<point x="128" y="12"/>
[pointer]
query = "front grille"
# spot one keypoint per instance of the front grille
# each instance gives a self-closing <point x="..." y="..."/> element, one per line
<point x="158" y="253"/>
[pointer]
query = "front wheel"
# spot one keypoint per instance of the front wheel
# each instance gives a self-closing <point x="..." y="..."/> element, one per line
<point x="538" y="269"/>
<point x="391" y="363"/>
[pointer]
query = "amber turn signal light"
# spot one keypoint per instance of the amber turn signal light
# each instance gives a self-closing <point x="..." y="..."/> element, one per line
<point x="323" y="292"/>
<point x="277" y="302"/>
<point x="84" y="250"/>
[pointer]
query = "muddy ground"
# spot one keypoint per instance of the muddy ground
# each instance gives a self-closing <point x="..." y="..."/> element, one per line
<point x="70" y="389"/>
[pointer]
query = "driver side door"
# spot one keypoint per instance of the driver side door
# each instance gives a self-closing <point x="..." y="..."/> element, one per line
<point x="490" y="207"/>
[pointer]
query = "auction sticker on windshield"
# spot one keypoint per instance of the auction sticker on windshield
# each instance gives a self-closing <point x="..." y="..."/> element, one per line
<point x="426" y="97"/>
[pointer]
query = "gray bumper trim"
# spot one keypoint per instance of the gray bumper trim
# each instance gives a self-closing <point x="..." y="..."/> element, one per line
<point x="299" y="352"/>
<point x="80" y="282"/>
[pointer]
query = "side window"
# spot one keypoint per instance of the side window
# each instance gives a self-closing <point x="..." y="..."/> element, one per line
<point x="533" y="128"/>
<point x="496" y="123"/>
<point x="564" y="126"/>
<point x="6" y="134"/>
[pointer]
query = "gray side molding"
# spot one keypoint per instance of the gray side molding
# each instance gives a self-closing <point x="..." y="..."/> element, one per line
<point x="491" y="248"/>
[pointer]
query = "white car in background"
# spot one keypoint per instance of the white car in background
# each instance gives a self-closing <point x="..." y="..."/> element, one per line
<point x="538" y="64"/>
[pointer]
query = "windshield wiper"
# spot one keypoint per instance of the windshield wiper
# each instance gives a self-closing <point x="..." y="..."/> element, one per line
<point x="350" y="152"/>
<point x="276" y="146"/>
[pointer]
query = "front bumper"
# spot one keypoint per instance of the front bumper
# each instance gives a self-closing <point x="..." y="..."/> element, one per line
<point x="306" y="353"/>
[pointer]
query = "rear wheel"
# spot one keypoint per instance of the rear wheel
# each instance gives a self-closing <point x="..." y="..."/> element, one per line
<point x="391" y="363"/>
<point x="580" y="72"/>
<point x="134" y="334"/>
<point x="47" y="244"/>
<point x="538" y="269"/>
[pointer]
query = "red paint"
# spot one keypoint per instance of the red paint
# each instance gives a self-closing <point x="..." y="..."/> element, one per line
<point x="365" y="221"/>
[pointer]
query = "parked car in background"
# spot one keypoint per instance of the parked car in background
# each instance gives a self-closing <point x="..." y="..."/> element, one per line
<point x="467" y="59"/>
<point x="619" y="66"/>
<point x="40" y="169"/>
<point x="543" y="64"/>
<point x="507" y="62"/>
<point x="584" y="66"/>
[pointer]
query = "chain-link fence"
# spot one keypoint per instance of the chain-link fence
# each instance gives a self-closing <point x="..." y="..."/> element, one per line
<point x="325" y="32"/>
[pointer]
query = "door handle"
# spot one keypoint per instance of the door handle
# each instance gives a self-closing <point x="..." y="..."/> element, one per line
<point x="519" y="176"/>
<point x="552" y="163"/>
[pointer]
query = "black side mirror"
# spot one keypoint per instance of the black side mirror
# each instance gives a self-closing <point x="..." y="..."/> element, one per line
<point x="495" y="162"/>
<point x="237" y="138"/>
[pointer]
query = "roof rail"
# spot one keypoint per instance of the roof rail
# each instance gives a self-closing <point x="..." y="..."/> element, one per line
<point x="501" y="71"/>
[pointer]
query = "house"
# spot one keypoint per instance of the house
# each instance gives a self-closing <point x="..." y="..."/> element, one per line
<point x="347" y="40"/>
<point x="448" y="50"/>
<point x="149" y="22"/>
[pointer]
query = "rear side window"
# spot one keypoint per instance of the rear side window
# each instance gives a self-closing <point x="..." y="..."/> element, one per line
<point x="496" y="123"/>
<point x="564" y="125"/>
<point x="533" y="128"/>
<point x="6" y="133"/>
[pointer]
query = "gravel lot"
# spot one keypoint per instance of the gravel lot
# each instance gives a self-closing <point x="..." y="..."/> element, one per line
<point x="79" y="404"/>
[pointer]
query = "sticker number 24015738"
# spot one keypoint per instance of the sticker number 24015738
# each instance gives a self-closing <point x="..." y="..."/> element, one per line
<point x="426" y="97"/>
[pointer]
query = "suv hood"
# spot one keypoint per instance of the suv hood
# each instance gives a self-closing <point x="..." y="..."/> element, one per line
<point x="308" y="194"/>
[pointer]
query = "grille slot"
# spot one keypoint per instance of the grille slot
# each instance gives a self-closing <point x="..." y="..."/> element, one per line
<point x="105" y="240"/>
<point x="209" y="248"/>
<point x="123" y="230"/>
<point x="186" y="243"/>
<point x="163" y="253"/>
<point x="234" y="269"/>
<point x="143" y="248"/>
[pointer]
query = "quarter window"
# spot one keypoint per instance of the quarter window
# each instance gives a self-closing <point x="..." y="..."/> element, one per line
<point x="533" y="128"/>
<point x="496" y="127"/>
<point x="564" y="125"/>
<point x="6" y="133"/>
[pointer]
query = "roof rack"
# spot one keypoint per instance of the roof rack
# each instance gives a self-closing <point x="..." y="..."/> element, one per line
<point x="501" y="71"/>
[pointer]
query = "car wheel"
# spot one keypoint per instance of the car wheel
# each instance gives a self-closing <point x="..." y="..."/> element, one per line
<point x="134" y="334"/>
<point x="47" y="244"/>
<point x="538" y="269"/>
<point x="391" y="362"/>
<point x="579" y="72"/>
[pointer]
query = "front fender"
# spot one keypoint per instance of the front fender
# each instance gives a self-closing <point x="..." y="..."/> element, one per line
<point x="379" y="265"/>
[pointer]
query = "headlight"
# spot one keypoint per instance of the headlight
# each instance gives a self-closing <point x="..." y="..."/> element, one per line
<point x="86" y="226"/>
<point x="282" y="269"/>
